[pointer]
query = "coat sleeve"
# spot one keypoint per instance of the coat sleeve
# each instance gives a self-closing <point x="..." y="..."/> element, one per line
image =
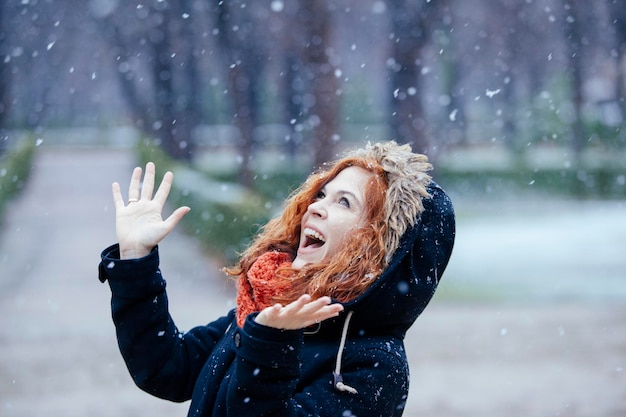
<point x="161" y="360"/>
<point x="266" y="380"/>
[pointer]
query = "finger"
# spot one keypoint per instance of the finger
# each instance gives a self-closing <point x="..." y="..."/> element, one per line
<point x="303" y="312"/>
<point x="164" y="188"/>
<point x="298" y="306"/>
<point x="332" y="310"/>
<point x="275" y="310"/>
<point x="118" y="201"/>
<point x="148" y="182"/>
<point x="175" y="217"/>
<point x="268" y="314"/>
<point x="303" y="300"/>
<point x="322" y="301"/>
<point x="304" y="306"/>
<point x="326" y="312"/>
<point x="316" y="305"/>
<point x="135" y="181"/>
<point x="322" y="308"/>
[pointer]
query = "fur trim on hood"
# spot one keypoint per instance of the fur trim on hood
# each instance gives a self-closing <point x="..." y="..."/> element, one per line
<point x="408" y="181"/>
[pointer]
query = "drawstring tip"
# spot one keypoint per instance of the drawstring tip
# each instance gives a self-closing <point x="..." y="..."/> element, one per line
<point x="337" y="378"/>
<point x="340" y="386"/>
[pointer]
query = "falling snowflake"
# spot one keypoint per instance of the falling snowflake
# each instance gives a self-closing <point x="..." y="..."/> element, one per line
<point x="491" y="93"/>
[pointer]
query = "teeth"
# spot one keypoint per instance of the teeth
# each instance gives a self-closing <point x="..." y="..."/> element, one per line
<point x="312" y="233"/>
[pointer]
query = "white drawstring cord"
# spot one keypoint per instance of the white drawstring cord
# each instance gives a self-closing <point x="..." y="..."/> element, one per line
<point x="337" y="378"/>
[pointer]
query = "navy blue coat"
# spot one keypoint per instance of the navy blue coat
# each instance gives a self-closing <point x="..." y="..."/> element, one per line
<point x="260" y="371"/>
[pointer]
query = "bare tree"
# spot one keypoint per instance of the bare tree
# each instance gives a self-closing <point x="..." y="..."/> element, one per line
<point x="302" y="36"/>
<point x="411" y="25"/>
<point x="34" y="52"/>
<point x="320" y="71"/>
<point x="453" y="124"/>
<point x="573" y="41"/>
<point x="617" y="13"/>
<point x="151" y="41"/>
<point x="518" y="40"/>
<point x="243" y="49"/>
<point x="5" y="81"/>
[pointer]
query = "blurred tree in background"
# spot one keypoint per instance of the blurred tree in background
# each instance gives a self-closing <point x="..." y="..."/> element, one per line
<point x="617" y="28"/>
<point x="153" y="45"/>
<point x="412" y="22"/>
<point x="243" y="45"/>
<point x="309" y="77"/>
<point x="5" y="84"/>
<point x="502" y="95"/>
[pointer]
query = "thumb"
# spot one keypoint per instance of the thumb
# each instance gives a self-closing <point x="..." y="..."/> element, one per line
<point x="176" y="216"/>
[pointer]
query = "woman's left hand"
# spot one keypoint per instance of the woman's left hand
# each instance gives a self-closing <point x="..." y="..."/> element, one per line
<point x="299" y="314"/>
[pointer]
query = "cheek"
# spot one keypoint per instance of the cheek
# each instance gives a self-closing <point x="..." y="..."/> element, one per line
<point x="346" y="229"/>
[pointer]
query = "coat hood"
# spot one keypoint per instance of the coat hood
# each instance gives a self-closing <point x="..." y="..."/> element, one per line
<point x="403" y="290"/>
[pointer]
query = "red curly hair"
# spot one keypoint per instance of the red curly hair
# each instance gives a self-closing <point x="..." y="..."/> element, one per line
<point x="345" y="275"/>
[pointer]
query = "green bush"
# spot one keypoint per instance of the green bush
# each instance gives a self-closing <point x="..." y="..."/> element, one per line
<point x="275" y="186"/>
<point x="149" y="151"/>
<point x="15" y="166"/>
<point x="224" y="227"/>
<point x="592" y="182"/>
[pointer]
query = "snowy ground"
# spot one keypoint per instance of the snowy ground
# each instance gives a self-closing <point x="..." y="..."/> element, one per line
<point x="530" y="319"/>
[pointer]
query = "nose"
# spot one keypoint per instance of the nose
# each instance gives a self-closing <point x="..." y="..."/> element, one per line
<point x="318" y="208"/>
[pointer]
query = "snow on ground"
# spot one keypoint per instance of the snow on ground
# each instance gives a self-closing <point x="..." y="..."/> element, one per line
<point x="530" y="317"/>
<point x="542" y="249"/>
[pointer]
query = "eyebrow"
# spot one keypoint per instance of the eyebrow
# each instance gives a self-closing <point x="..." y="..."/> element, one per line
<point x="346" y="192"/>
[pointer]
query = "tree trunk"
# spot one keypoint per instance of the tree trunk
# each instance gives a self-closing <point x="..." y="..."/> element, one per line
<point x="618" y="14"/>
<point x="171" y="124"/>
<point x="5" y="84"/>
<point x="292" y="99"/>
<point x="409" y="21"/>
<point x="243" y="93"/>
<point x="241" y="54"/>
<point x="325" y="112"/>
<point x="188" y="99"/>
<point x="573" y="39"/>
<point x="170" y="114"/>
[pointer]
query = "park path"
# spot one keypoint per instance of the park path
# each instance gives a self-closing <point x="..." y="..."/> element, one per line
<point x="58" y="354"/>
<point x="530" y="355"/>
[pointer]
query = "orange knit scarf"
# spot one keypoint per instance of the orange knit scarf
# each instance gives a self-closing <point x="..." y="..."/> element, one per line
<point x="257" y="290"/>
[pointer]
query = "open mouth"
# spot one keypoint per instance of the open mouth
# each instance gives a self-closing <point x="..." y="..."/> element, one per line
<point x="313" y="239"/>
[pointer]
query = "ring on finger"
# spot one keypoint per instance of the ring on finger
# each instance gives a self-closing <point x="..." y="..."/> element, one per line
<point x="132" y="200"/>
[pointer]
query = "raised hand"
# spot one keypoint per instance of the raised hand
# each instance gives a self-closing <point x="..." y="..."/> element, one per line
<point x="139" y="224"/>
<point x="299" y="314"/>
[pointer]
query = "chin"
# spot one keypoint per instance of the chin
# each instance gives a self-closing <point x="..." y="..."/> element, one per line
<point x="299" y="263"/>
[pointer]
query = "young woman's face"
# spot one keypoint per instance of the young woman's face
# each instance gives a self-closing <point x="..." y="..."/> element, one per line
<point x="337" y="210"/>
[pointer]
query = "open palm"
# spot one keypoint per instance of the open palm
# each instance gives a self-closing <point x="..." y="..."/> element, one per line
<point x="299" y="314"/>
<point x="139" y="224"/>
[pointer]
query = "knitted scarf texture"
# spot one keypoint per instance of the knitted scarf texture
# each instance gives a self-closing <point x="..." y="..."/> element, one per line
<point x="257" y="289"/>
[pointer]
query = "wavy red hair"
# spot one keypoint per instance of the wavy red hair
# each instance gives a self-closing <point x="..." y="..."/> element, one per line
<point x="345" y="275"/>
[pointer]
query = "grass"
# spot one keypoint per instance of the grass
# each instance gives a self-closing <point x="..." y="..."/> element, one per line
<point x="15" y="167"/>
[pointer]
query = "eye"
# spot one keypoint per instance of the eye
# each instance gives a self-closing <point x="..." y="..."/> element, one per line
<point x="319" y="196"/>
<point x="344" y="202"/>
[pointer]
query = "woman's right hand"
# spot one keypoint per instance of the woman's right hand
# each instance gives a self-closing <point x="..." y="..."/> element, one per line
<point x="139" y="224"/>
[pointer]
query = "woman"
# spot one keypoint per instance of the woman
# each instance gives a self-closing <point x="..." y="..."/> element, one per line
<point x="326" y="293"/>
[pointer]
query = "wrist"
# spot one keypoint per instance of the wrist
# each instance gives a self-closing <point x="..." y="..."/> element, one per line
<point x="134" y="252"/>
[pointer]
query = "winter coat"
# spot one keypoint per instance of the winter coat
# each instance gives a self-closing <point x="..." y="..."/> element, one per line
<point x="253" y="371"/>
